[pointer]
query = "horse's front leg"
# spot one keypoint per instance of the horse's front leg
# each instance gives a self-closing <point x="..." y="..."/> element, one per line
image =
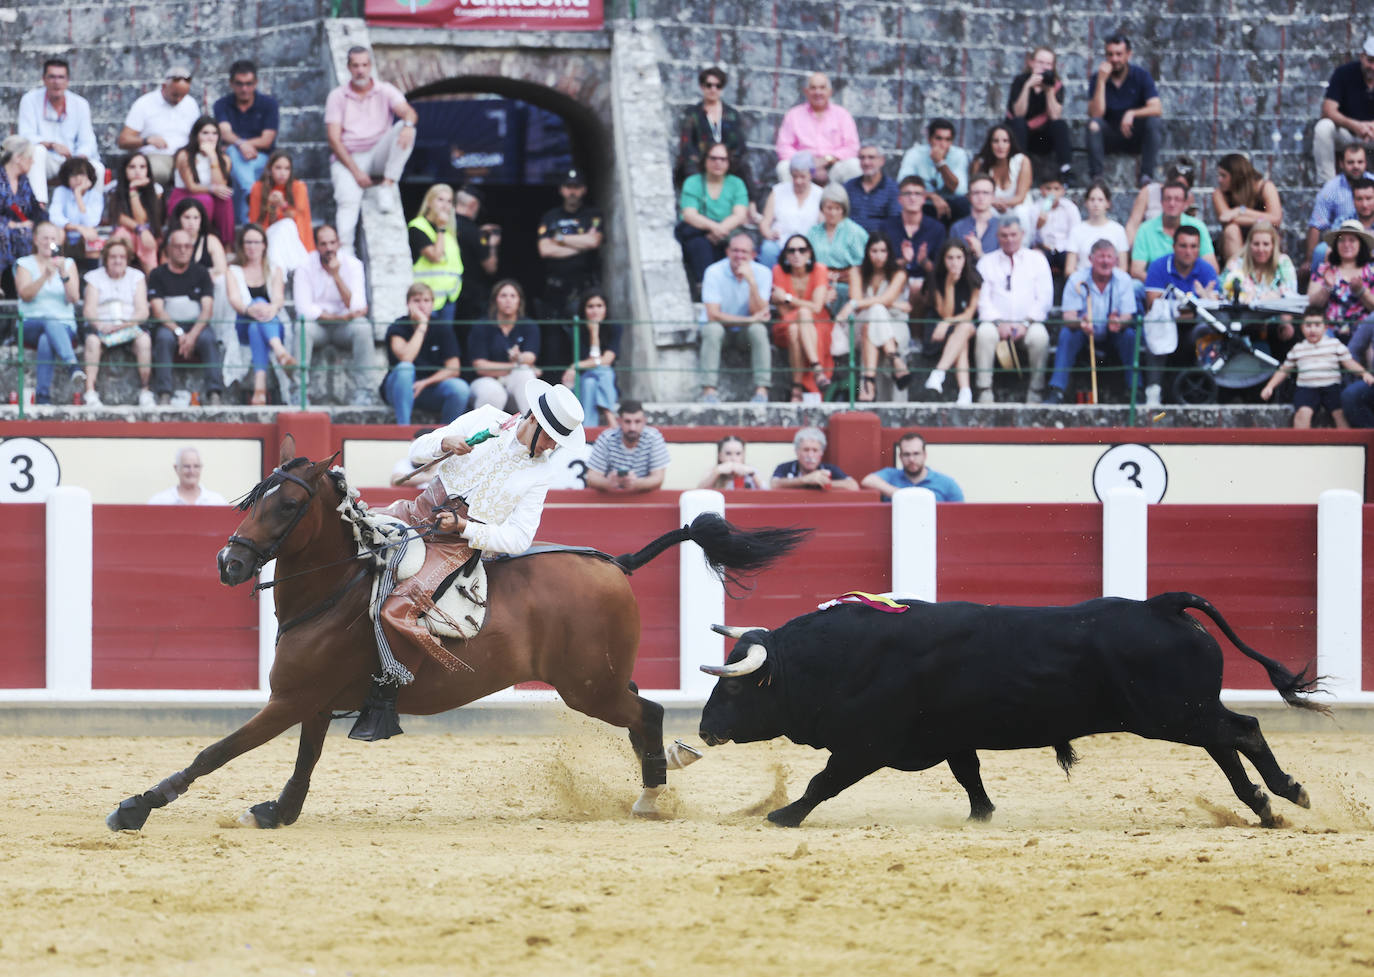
<point x="286" y="808"/>
<point x="273" y="719"/>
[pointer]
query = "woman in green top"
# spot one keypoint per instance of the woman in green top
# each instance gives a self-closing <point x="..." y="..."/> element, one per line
<point x="838" y="242"/>
<point x="712" y="204"/>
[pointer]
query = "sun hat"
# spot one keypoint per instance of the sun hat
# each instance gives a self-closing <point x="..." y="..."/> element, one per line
<point x="1349" y="227"/>
<point x="556" y="409"/>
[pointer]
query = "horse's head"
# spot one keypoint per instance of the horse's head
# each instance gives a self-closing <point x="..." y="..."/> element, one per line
<point x="282" y="506"/>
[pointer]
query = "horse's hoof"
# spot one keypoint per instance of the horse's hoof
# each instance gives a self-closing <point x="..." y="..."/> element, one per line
<point x="680" y="755"/>
<point x="131" y="814"/>
<point x="262" y="815"/>
<point x="1302" y="800"/>
<point x="647" y="805"/>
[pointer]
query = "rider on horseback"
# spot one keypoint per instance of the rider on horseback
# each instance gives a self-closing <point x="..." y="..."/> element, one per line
<point x="488" y="497"/>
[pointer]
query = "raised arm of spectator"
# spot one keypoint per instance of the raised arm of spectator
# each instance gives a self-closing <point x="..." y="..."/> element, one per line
<point x="875" y="483"/>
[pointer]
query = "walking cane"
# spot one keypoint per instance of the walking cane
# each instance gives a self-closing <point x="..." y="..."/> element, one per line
<point x="1092" y="331"/>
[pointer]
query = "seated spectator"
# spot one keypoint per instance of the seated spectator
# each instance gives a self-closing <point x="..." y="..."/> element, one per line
<point x="1001" y="158"/>
<point x="979" y="229"/>
<point x="1347" y="111"/>
<point x="952" y="296"/>
<point x="1056" y="218"/>
<point x="877" y="301"/>
<point x="801" y="295"/>
<point x="916" y="237"/>
<point x="256" y="292"/>
<point x="736" y="293"/>
<point x="503" y="350"/>
<point x="872" y="194"/>
<point x="207" y="250"/>
<point x="58" y="124"/>
<point x="731" y="471"/>
<point x="712" y="122"/>
<point x="913" y="473"/>
<point x="49" y="288"/>
<point x="793" y="207"/>
<point x="1334" y="204"/>
<point x="1184" y="269"/>
<point x="330" y="294"/>
<point x="629" y="457"/>
<point x="115" y="309"/>
<point x="944" y="167"/>
<point x="19" y="208"/>
<point x="1317" y="359"/>
<point x="1344" y="287"/>
<point x="1262" y="273"/>
<point x="825" y="130"/>
<point x="281" y="204"/>
<point x="1155" y="238"/>
<point x="371" y="131"/>
<point x="248" y="122"/>
<point x="597" y="348"/>
<point x="1241" y="199"/>
<point x="711" y="207"/>
<point x="1013" y="304"/>
<point x="1149" y="202"/>
<point x="1099" y="301"/>
<point x="1123" y="111"/>
<point x="434" y="251"/>
<point x="1035" y="112"/>
<point x="201" y="173"/>
<point x="77" y="205"/>
<point x="1097" y="226"/>
<point x="180" y="299"/>
<point x="134" y="209"/>
<point x="807" y="471"/>
<point x="424" y="361"/>
<point x="837" y="242"/>
<point x="188" y="490"/>
<point x="159" y="123"/>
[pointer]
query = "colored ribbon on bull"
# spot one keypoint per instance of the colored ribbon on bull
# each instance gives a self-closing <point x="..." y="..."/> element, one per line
<point x="875" y="601"/>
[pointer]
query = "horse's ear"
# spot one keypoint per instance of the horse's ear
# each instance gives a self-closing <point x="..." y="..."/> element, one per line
<point x="288" y="450"/>
<point x="325" y="464"/>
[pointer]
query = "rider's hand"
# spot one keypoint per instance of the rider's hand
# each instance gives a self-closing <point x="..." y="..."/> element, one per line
<point x="455" y="445"/>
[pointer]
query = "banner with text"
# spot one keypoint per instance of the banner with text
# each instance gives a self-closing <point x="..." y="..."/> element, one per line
<point x="559" y="15"/>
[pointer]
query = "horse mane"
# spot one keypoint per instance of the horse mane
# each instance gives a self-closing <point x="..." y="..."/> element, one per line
<point x="255" y="495"/>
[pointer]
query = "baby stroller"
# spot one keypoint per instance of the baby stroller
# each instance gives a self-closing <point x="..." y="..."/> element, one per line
<point x="1231" y="360"/>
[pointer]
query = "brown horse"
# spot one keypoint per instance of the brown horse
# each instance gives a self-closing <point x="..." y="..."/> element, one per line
<point x="565" y="618"/>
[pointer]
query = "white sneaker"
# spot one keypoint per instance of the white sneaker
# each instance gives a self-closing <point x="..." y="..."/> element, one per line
<point x="1152" y="393"/>
<point x="386" y="197"/>
<point x="91" y="399"/>
<point x="965" y="396"/>
<point x="936" y="381"/>
<point x="985" y="396"/>
<point x="146" y="398"/>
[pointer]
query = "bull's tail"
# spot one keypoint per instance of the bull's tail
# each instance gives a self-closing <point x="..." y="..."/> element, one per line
<point x="1293" y="688"/>
<point x="730" y="551"/>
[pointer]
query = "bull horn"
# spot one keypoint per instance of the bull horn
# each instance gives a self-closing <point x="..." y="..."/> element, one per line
<point x="754" y="657"/>
<point x="735" y="633"/>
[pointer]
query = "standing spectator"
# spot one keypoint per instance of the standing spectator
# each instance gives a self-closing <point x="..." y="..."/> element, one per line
<point x="837" y="242"/>
<point x="825" y="130"/>
<point x="425" y="362"/>
<point x="1010" y="169"/>
<point x="953" y="290"/>
<point x="708" y="123"/>
<point x="49" y="288"/>
<point x="979" y="229"/>
<point x="19" y="208"/>
<point x="1317" y="360"/>
<point x="913" y="473"/>
<point x="877" y="301"/>
<point x="1055" y="220"/>
<point x="434" y="251"/>
<point x="731" y="471"/>
<point x="1097" y="226"/>
<point x="1099" y="300"/>
<point x="1123" y="111"/>
<point x="1347" y="111"/>
<point x="477" y="245"/>
<point x="712" y="205"/>
<point x="793" y="207"/>
<point x="159" y="123"/>
<point x="570" y="238"/>
<point x="201" y="172"/>
<point x="58" y="124"/>
<point x="916" y="237"/>
<point x="1035" y="111"/>
<point x="187" y="490"/>
<point x="1335" y="203"/>
<point x="629" y="457"/>
<point x="248" y="123"/>
<point x="135" y="210"/>
<point x="944" y="168"/>
<point x="371" y="131"/>
<point x="330" y="294"/>
<point x="77" y="205"/>
<point x="807" y="471"/>
<point x="872" y="194"/>
<point x="1155" y="238"/>
<point x="1013" y="304"/>
<point x="801" y="294"/>
<point x="1186" y="272"/>
<point x="180" y="298"/>
<point x="503" y="351"/>
<point x="1242" y="198"/>
<point x="281" y="204"/>
<point x="1149" y="203"/>
<point x="597" y="348"/>
<point x="1344" y="286"/>
<point x="735" y="292"/>
<point x="256" y="292"/>
<point x="115" y="309"/>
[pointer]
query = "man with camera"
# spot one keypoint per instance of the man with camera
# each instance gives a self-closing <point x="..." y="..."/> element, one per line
<point x="1035" y="112"/>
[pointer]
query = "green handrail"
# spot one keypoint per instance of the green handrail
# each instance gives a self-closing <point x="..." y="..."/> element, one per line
<point x="21" y="366"/>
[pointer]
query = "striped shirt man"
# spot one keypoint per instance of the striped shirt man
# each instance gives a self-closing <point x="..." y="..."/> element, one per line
<point x="610" y="455"/>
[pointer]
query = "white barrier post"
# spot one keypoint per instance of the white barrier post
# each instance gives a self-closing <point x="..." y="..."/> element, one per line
<point x="913" y="544"/>
<point x="701" y="601"/>
<point x="1125" y="549"/>
<point x="267" y="628"/>
<point x="69" y="590"/>
<point x="1339" y="578"/>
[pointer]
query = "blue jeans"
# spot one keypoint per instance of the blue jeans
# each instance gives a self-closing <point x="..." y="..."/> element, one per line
<point x="1357" y="400"/>
<point x="245" y="173"/>
<point x="596" y="389"/>
<point x="447" y="398"/>
<point x="258" y="336"/>
<point x="1073" y="341"/>
<point x="54" y="340"/>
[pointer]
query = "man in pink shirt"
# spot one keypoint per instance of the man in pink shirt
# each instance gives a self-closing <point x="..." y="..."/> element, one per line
<point x="823" y="129"/>
<point x="370" y="146"/>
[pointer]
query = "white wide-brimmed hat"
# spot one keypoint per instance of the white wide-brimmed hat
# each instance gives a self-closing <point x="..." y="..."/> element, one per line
<point x="556" y="409"/>
<point x="1353" y="228"/>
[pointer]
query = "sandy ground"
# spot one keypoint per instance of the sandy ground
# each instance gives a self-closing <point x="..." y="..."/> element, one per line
<point x="517" y="855"/>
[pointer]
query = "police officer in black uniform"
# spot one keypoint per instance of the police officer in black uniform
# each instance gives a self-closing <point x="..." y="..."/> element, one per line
<point x="570" y="239"/>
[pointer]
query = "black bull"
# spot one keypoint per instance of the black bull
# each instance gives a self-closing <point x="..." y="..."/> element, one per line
<point x="941" y="681"/>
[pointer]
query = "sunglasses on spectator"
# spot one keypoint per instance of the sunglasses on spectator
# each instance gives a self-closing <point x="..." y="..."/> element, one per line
<point x="711" y="84"/>
<point x="179" y="78"/>
<point x="718" y="158"/>
<point x="798" y="250"/>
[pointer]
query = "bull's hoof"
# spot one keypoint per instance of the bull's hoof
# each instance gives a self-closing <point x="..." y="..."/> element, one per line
<point x="1300" y="798"/>
<point x="131" y="814"/>
<point x="264" y="815"/>
<point x="787" y="817"/>
<point x="983" y="814"/>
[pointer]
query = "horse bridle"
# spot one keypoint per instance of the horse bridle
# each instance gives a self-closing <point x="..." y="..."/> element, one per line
<point x="264" y="556"/>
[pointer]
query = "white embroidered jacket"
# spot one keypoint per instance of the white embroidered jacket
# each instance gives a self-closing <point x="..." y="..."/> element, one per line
<point x="503" y="485"/>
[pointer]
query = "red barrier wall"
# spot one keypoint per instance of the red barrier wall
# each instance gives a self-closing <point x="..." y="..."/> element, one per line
<point x="161" y="618"/>
<point x="1020" y="554"/>
<point x="1367" y="616"/>
<point x="23" y="586"/>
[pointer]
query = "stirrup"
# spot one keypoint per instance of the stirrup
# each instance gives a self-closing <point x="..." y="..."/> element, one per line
<point x="377" y="720"/>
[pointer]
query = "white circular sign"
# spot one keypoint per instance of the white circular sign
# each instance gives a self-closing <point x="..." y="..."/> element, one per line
<point x="1131" y="466"/>
<point x="28" y="470"/>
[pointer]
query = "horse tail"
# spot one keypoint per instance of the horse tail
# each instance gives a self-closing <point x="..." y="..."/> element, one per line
<point x="730" y="551"/>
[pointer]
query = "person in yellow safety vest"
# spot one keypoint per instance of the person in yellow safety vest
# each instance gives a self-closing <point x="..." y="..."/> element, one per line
<point x="434" y="249"/>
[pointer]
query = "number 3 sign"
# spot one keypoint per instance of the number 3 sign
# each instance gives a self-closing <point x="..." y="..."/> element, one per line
<point x="28" y="470"/>
<point x="1131" y="466"/>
